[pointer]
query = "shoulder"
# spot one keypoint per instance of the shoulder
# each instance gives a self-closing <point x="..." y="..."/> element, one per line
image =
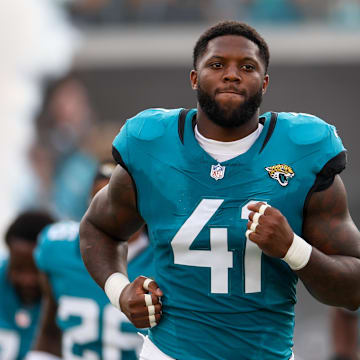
<point x="61" y="231"/>
<point x="143" y="130"/>
<point x="6" y="302"/>
<point x="3" y="269"/>
<point x="311" y="141"/>
<point x="306" y="129"/>
<point x="53" y="242"/>
<point x="3" y="263"/>
<point x="149" y="124"/>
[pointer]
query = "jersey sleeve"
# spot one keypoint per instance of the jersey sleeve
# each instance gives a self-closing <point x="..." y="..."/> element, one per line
<point x="315" y="139"/>
<point x="42" y="250"/>
<point x="51" y="243"/>
<point x="332" y="158"/>
<point x="332" y="145"/>
<point x="120" y="147"/>
<point x="333" y="167"/>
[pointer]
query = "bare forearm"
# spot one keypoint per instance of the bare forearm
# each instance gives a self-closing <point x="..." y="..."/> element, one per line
<point x="333" y="280"/>
<point x="101" y="254"/>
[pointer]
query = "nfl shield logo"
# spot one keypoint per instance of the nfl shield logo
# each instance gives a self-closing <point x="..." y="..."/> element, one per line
<point x="217" y="171"/>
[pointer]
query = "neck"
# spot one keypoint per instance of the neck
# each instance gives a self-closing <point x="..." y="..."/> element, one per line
<point x="210" y="130"/>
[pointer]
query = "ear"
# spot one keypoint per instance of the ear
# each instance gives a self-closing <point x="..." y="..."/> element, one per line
<point x="265" y="83"/>
<point x="194" y="79"/>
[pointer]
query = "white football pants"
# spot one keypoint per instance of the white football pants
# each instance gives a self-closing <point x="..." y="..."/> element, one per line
<point x="151" y="352"/>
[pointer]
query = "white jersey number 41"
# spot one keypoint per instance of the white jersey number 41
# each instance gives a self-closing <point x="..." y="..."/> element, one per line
<point x="219" y="259"/>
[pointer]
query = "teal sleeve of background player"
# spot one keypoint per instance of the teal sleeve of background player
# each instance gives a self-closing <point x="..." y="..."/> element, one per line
<point x="40" y="254"/>
<point x="120" y="143"/>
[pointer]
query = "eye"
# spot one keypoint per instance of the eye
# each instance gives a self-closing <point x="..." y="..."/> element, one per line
<point x="216" y="65"/>
<point x="248" y="67"/>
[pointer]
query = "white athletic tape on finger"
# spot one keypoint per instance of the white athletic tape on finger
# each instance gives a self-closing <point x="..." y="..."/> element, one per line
<point x="253" y="226"/>
<point x="262" y="209"/>
<point x="146" y="283"/>
<point x="256" y="218"/>
<point x="298" y="254"/>
<point x="151" y="310"/>
<point x="248" y="232"/>
<point x="152" y="320"/>
<point x="114" y="286"/>
<point x="148" y="300"/>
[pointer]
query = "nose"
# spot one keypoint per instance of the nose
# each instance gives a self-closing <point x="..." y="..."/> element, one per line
<point x="232" y="74"/>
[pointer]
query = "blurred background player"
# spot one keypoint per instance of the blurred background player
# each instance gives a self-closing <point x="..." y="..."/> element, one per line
<point x="39" y="40"/>
<point x="78" y="321"/>
<point x="61" y="155"/>
<point x="20" y="285"/>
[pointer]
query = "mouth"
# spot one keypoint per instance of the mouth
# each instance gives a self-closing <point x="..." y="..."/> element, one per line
<point x="231" y="91"/>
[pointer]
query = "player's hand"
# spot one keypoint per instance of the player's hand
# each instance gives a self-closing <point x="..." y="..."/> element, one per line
<point x="273" y="233"/>
<point x="142" y="307"/>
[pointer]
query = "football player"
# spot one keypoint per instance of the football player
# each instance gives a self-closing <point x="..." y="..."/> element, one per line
<point x="20" y="285"/>
<point x="78" y="320"/>
<point x="239" y="206"/>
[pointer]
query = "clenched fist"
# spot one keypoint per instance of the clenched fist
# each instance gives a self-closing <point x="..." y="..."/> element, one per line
<point x="269" y="230"/>
<point x="140" y="302"/>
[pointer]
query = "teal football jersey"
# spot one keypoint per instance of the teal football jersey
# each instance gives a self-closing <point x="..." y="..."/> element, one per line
<point x="92" y="327"/>
<point x="18" y="321"/>
<point x="223" y="298"/>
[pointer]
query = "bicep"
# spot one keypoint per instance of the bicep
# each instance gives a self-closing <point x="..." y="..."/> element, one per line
<point x="113" y="209"/>
<point x="327" y="222"/>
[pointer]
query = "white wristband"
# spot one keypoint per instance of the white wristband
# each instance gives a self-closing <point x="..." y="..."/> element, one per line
<point x="298" y="254"/>
<point x="40" y="355"/>
<point x="114" y="286"/>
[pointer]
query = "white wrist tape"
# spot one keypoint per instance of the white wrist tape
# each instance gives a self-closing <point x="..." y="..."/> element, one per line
<point x="40" y="355"/>
<point x="114" y="286"/>
<point x="298" y="254"/>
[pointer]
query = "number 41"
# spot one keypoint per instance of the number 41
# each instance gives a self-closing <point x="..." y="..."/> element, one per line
<point x="219" y="259"/>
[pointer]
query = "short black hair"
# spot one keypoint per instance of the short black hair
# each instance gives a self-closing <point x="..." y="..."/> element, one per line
<point x="231" y="28"/>
<point x="27" y="226"/>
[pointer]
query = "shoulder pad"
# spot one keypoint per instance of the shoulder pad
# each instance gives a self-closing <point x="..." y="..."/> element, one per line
<point x="305" y="129"/>
<point x="151" y="123"/>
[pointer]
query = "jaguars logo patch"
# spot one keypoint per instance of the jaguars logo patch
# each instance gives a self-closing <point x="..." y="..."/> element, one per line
<point x="281" y="172"/>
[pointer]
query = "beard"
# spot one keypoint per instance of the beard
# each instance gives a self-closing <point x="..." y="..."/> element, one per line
<point x="232" y="118"/>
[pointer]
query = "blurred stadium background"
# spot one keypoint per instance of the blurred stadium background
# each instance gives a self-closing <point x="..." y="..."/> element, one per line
<point x="73" y="71"/>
